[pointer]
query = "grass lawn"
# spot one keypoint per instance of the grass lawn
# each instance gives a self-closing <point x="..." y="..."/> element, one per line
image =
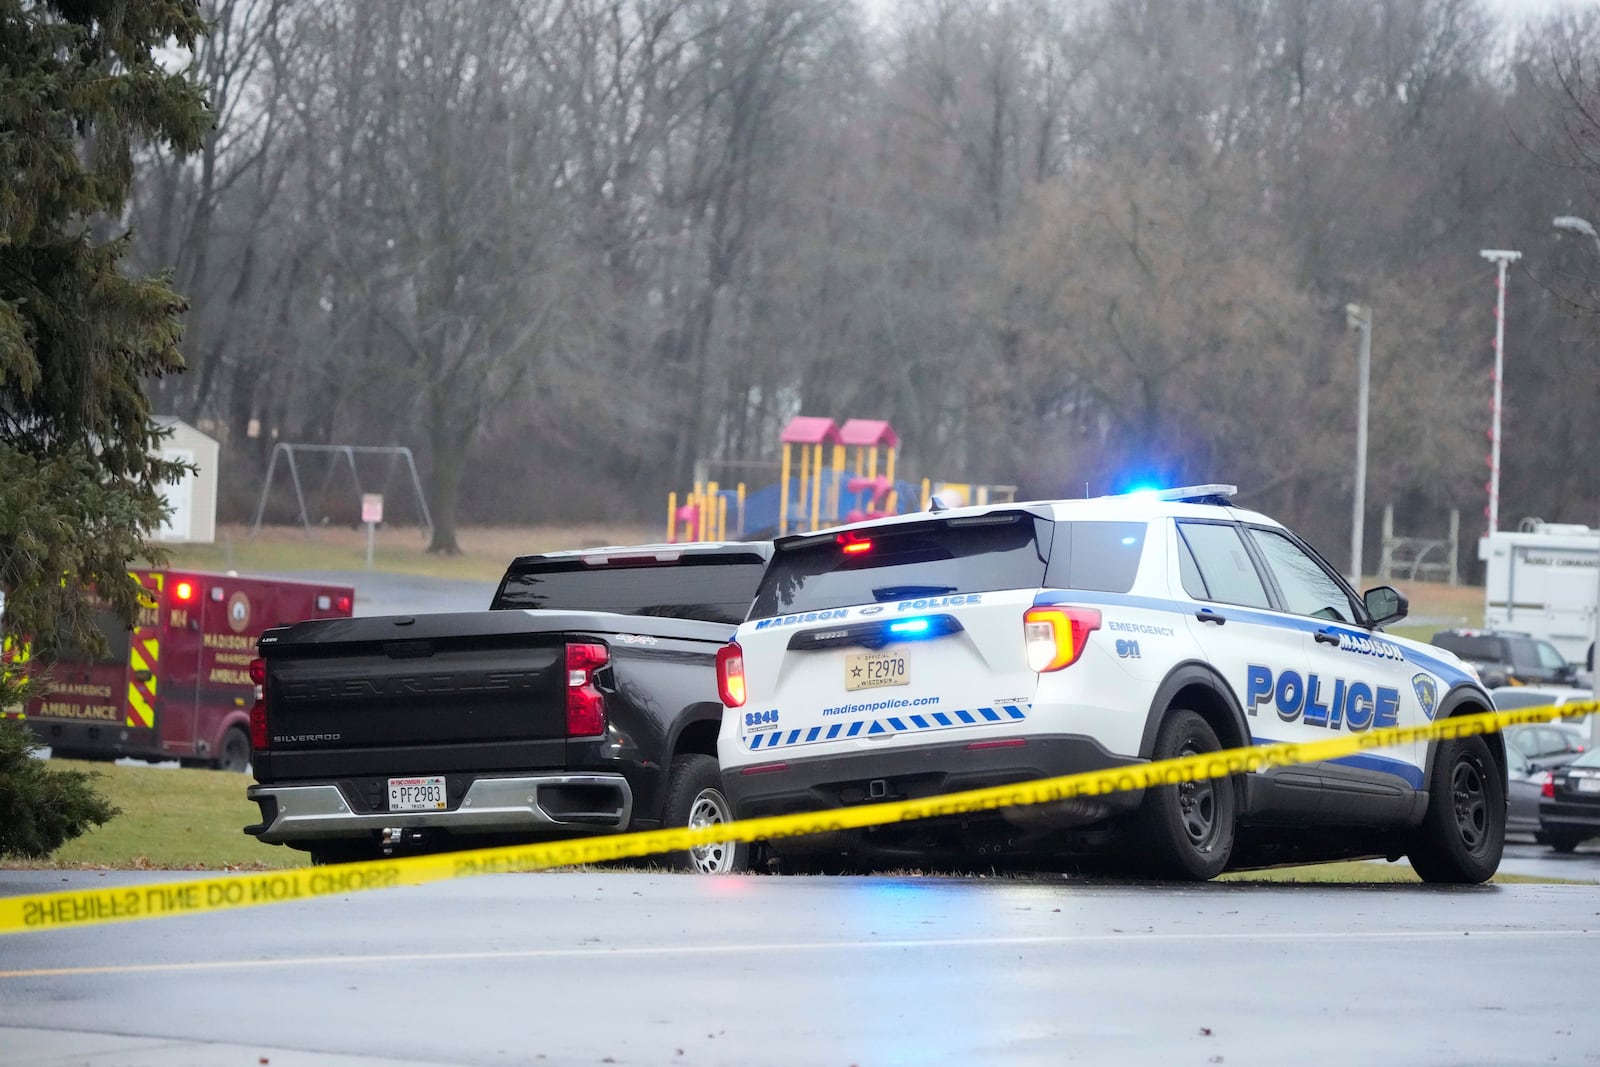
<point x="485" y="550"/>
<point x="171" y="818"/>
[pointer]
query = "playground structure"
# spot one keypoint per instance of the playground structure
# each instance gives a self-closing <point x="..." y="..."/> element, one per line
<point x="828" y="474"/>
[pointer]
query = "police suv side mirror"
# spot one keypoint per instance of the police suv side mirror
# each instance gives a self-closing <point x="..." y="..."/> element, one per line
<point x="1385" y="604"/>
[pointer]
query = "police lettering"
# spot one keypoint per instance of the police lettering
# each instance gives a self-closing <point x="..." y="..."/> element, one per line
<point x="940" y="602"/>
<point x="1316" y="701"/>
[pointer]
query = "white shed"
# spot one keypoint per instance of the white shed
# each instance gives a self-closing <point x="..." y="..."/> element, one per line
<point x="194" y="499"/>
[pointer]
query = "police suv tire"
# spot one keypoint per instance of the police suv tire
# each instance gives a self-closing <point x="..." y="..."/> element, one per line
<point x="1187" y="830"/>
<point x="234" y="755"/>
<point x="1463" y="832"/>
<point x="695" y="798"/>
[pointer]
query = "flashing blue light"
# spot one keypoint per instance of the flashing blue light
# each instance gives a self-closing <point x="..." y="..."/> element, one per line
<point x="909" y="626"/>
<point x="1148" y="491"/>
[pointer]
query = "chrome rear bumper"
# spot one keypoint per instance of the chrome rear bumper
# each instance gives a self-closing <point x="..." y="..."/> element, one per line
<point x="550" y="802"/>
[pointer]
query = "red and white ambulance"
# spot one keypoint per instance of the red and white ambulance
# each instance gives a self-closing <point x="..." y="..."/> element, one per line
<point x="176" y="686"/>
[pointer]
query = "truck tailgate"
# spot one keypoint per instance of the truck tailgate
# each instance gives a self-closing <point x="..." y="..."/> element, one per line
<point x="429" y="693"/>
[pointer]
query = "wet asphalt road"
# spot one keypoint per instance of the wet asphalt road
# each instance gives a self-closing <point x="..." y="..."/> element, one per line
<point x="639" y="968"/>
<point x="590" y="968"/>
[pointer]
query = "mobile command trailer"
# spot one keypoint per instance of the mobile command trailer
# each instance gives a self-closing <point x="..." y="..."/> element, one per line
<point x="1540" y="580"/>
<point x="176" y="686"/>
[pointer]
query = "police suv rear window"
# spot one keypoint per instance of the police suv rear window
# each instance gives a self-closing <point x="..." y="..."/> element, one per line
<point x="938" y="558"/>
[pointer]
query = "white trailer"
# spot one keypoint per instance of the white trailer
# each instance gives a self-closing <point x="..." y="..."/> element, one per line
<point x="1542" y="580"/>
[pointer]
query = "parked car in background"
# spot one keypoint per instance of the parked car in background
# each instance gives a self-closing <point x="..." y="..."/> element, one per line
<point x="1524" y="786"/>
<point x="1569" y="810"/>
<point x="1503" y="658"/>
<point x="1547" y="745"/>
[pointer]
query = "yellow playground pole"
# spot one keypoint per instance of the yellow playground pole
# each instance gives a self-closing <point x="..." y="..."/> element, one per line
<point x="805" y="483"/>
<point x="889" y="473"/>
<point x="672" y="517"/>
<point x="783" y="495"/>
<point x="816" y="496"/>
<point x="722" y="517"/>
<point x="741" y="509"/>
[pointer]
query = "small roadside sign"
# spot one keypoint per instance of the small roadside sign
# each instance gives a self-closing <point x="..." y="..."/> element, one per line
<point x="371" y="507"/>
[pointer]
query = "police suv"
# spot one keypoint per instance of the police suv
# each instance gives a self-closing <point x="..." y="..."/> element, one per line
<point x="962" y="648"/>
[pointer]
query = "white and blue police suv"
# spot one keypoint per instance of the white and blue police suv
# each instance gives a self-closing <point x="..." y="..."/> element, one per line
<point x="955" y="649"/>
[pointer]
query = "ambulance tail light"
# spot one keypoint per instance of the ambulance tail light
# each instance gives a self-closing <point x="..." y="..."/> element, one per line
<point x="258" y="712"/>
<point x="1055" y="636"/>
<point x="586" y="705"/>
<point x="730" y="675"/>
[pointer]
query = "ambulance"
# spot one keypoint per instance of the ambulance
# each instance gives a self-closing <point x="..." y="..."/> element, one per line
<point x="176" y="686"/>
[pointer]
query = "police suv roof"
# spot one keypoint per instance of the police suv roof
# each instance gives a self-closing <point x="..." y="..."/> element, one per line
<point x="1206" y="501"/>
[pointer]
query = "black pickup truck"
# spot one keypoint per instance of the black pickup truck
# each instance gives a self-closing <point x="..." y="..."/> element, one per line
<point x="583" y="701"/>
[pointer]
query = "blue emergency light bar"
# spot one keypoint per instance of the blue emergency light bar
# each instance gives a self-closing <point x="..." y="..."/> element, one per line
<point x="1189" y="494"/>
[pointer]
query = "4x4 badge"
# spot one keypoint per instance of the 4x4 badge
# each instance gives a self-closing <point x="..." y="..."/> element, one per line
<point x="1427" y="691"/>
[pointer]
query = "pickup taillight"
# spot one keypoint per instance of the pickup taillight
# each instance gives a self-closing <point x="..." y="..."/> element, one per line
<point x="258" y="711"/>
<point x="586" y="705"/>
<point x="730" y="675"/>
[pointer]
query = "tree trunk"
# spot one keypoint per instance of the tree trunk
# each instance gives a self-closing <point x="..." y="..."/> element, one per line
<point x="444" y="492"/>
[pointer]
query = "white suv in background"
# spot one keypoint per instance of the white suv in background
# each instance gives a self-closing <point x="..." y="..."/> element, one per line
<point x="928" y="653"/>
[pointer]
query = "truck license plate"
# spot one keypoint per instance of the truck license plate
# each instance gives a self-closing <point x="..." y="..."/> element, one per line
<point x="417" y="794"/>
<point x="873" y="670"/>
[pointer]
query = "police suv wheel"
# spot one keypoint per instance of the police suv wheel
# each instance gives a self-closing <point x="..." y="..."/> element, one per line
<point x="1188" y="828"/>
<point x="695" y="798"/>
<point x="1464" y="830"/>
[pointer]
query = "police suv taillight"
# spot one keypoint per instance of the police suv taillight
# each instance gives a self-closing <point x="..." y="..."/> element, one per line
<point x="1055" y="636"/>
<point x="586" y="705"/>
<point x="258" y="711"/>
<point x="730" y="675"/>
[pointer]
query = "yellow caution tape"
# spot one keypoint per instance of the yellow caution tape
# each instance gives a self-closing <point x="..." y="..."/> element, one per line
<point x="53" y="911"/>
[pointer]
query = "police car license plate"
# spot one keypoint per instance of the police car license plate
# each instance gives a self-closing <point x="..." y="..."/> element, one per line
<point x="417" y="794"/>
<point x="874" y="670"/>
<point x="1589" y="785"/>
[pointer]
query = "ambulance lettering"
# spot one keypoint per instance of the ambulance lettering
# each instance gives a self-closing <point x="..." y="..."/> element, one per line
<point x="1317" y="701"/>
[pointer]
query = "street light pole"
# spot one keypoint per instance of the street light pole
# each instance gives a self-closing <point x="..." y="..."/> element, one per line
<point x="1360" y="318"/>
<point x="1502" y="259"/>
<point x="1574" y="224"/>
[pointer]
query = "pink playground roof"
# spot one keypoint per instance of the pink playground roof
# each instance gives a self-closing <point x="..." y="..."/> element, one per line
<point x="810" y="430"/>
<point x="869" y="432"/>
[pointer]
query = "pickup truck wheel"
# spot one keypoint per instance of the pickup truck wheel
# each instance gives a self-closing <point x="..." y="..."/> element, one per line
<point x="1464" y="830"/>
<point x="695" y="798"/>
<point x="1188" y="827"/>
<point x="235" y="752"/>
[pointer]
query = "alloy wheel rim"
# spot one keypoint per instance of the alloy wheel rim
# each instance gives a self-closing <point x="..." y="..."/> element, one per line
<point x="1197" y="806"/>
<point x="710" y="809"/>
<point x="1471" y="804"/>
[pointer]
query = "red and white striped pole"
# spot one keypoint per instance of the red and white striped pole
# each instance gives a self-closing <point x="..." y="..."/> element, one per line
<point x="1502" y="259"/>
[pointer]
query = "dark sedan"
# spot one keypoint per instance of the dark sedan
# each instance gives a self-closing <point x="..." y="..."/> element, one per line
<point x="1570" y="809"/>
